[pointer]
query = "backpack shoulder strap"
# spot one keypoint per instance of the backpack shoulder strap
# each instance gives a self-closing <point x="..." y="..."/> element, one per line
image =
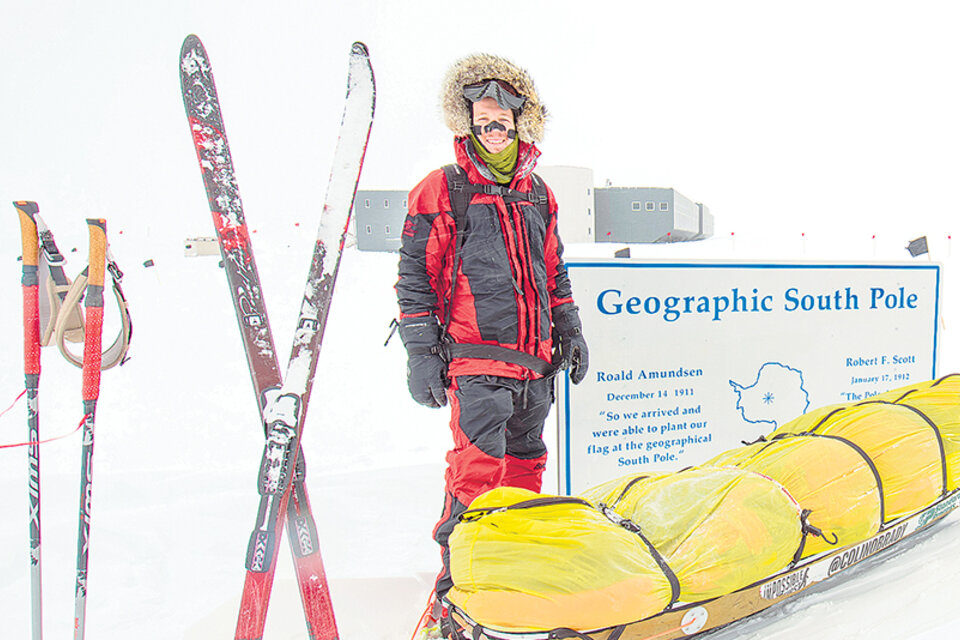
<point x="460" y="193"/>
<point x="539" y="197"/>
<point x="460" y="196"/>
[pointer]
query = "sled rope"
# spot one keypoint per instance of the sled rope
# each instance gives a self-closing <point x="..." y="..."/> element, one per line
<point x="46" y="440"/>
<point x="14" y="403"/>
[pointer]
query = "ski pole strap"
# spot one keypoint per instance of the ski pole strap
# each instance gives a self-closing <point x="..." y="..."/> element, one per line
<point x="50" y="250"/>
<point x="52" y="279"/>
<point x="64" y="325"/>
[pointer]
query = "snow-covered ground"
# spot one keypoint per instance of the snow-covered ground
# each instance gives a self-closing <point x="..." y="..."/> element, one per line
<point x="178" y="445"/>
<point x="823" y="133"/>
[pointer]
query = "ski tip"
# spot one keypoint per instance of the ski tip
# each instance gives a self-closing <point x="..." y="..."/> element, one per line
<point x="360" y="49"/>
<point x="190" y="42"/>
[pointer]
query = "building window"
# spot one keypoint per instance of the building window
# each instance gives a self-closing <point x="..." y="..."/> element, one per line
<point x="636" y="205"/>
<point x="664" y="206"/>
<point x="386" y="204"/>
<point x="589" y="211"/>
<point x="588" y="190"/>
<point x="369" y="229"/>
<point x="404" y="203"/>
<point x="386" y="230"/>
<point x="651" y="205"/>
<point x="366" y="203"/>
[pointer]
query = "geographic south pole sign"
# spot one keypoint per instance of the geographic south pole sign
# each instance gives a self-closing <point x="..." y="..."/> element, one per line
<point x="688" y="359"/>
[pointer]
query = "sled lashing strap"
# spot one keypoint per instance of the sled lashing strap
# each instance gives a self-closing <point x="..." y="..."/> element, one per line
<point x="912" y="477"/>
<point x="717" y="529"/>
<point x="633" y="527"/>
<point x="936" y="432"/>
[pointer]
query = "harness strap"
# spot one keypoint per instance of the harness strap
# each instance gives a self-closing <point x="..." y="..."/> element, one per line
<point x="450" y="350"/>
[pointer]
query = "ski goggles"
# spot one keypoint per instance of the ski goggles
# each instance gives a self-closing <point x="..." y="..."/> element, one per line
<point x="500" y="90"/>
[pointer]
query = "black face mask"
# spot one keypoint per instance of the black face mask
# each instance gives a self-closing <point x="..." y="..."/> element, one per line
<point x="493" y="126"/>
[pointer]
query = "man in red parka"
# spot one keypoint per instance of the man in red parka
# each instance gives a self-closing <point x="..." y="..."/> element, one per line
<point x="486" y="310"/>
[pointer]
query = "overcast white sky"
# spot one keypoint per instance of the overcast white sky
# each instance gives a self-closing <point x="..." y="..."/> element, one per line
<point x="817" y="117"/>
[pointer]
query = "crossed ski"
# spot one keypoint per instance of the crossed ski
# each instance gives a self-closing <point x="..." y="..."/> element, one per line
<point x="282" y="406"/>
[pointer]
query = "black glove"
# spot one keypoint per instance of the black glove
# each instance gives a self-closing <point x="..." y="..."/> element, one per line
<point x="569" y="346"/>
<point x="426" y="370"/>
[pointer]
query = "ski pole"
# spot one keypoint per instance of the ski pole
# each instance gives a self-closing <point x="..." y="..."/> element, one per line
<point x="31" y="369"/>
<point x="93" y="328"/>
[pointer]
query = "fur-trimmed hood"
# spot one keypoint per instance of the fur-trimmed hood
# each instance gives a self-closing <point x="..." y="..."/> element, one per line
<point x="475" y="68"/>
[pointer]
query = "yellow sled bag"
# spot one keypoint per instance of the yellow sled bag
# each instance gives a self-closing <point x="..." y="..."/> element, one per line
<point x="904" y="448"/>
<point x="717" y="529"/>
<point x="826" y="476"/>
<point x="939" y="401"/>
<point x="522" y="561"/>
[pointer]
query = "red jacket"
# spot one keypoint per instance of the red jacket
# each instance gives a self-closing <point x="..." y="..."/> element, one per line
<point x="511" y="275"/>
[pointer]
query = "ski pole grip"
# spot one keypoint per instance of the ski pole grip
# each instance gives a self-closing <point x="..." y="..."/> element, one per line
<point x="30" y="280"/>
<point x="98" y="257"/>
<point x="29" y="237"/>
<point x="93" y="325"/>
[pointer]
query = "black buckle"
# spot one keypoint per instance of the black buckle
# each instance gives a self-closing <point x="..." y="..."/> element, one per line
<point x="115" y="271"/>
<point x="50" y="248"/>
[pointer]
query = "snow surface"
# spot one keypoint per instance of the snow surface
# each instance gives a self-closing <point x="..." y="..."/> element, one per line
<point x="826" y="131"/>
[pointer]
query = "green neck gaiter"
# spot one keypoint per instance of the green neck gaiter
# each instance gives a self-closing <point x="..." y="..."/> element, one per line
<point x="502" y="164"/>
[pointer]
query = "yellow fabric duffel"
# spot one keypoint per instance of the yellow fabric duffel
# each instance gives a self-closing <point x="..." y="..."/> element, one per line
<point x="826" y="476"/>
<point x="903" y="447"/>
<point x="717" y="529"/>
<point x="524" y="561"/>
<point x="939" y="401"/>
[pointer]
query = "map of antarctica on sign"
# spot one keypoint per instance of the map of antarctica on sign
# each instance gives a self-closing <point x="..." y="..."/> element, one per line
<point x="775" y="397"/>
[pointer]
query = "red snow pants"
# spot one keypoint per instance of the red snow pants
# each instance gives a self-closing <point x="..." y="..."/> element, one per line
<point x="497" y="426"/>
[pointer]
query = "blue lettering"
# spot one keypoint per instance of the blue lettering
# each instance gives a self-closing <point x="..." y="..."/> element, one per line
<point x="792" y="302"/>
<point x="617" y="307"/>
